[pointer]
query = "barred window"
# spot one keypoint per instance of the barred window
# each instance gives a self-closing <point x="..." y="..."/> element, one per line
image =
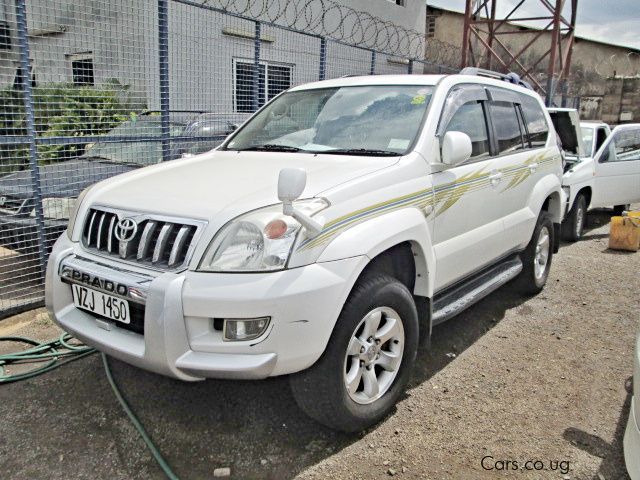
<point x="82" y="71"/>
<point x="5" y="36"/>
<point x="272" y="79"/>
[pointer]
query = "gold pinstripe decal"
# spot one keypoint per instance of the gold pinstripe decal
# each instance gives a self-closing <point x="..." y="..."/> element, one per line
<point x="445" y="196"/>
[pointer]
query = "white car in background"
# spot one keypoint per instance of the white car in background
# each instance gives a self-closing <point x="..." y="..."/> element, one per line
<point x="601" y="170"/>
<point x="632" y="433"/>
<point x="594" y="135"/>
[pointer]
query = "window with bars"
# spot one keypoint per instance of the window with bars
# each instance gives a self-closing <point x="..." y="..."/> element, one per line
<point x="5" y="36"/>
<point x="272" y="79"/>
<point x="82" y="71"/>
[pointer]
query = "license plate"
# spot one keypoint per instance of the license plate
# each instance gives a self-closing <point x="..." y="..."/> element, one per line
<point x="101" y="304"/>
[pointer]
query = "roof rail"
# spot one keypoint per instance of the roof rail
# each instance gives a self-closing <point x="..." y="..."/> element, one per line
<point x="510" y="77"/>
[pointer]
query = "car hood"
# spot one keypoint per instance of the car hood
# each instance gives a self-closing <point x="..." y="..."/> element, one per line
<point x="236" y="182"/>
<point x="64" y="179"/>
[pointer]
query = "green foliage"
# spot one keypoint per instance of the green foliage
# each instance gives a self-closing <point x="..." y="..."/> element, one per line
<point x="59" y="110"/>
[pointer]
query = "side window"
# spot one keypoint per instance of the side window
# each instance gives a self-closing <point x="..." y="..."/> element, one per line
<point x="470" y="119"/>
<point x="535" y="120"/>
<point x="600" y="138"/>
<point x="506" y="124"/>
<point x="624" y="147"/>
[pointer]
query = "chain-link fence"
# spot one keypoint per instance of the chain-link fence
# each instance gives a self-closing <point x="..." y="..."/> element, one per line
<point x="94" y="88"/>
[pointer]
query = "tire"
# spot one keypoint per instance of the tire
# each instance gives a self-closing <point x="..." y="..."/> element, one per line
<point x="573" y="225"/>
<point x="534" y="275"/>
<point x="321" y="391"/>
<point x="618" y="209"/>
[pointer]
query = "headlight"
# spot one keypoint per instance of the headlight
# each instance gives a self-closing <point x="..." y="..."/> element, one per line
<point x="257" y="241"/>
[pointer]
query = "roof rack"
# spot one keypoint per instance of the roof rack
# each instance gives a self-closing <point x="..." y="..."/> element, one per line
<point x="510" y="77"/>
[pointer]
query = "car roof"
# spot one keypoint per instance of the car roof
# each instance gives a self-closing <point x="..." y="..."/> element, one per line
<point x="426" y="80"/>
<point x="410" y="79"/>
<point x="593" y="124"/>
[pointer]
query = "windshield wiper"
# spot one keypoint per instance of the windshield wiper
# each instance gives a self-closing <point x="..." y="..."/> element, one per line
<point x="270" y="147"/>
<point x="361" y="151"/>
<point x="108" y="161"/>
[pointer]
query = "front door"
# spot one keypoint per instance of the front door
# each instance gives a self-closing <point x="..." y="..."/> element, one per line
<point x="617" y="180"/>
<point x="467" y="223"/>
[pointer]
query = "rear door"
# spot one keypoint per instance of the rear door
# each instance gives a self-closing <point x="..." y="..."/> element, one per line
<point x="517" y="164"/>
<point x="617" y="180"/>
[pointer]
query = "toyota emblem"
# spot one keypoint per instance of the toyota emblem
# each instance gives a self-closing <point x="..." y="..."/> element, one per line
<point x="126" y="229"/>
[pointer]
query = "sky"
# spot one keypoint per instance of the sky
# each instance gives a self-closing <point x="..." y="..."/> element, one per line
<point x="611" y="21"/>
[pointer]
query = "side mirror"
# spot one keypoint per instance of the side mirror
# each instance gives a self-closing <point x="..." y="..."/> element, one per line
<point x="456" y="148"/>
<point x="291" y="183"/>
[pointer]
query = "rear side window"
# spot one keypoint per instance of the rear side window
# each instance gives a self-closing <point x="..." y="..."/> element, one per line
<point x="506" y="123"/>
<point x="535" y="121"/>
<point x="470" y="119"/>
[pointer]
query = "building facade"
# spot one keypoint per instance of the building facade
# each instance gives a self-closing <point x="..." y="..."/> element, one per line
<point x="211" y="54"/>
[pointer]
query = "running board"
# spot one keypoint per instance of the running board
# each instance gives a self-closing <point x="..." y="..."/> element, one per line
<point x="459" y="297"/>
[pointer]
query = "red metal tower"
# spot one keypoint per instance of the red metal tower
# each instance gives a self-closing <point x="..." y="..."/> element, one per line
<point x="484" y="43"/>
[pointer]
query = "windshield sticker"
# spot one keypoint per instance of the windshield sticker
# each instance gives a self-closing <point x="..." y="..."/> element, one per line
<point x="398" y="143"/>
<point x="419" y="99"/>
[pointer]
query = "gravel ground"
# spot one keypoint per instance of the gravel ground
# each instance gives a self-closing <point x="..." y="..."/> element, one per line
<point x="545" y="379"/>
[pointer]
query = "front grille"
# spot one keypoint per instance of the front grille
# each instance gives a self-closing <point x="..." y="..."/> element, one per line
<point x="10" y="204"/>
<point x="162" y="244"/>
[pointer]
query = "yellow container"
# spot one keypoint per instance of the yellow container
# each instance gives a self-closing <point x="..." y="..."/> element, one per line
<point x="625" y="232"/>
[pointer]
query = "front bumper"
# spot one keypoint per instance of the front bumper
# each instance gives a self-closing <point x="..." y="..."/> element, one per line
<point x="179" y="337"/>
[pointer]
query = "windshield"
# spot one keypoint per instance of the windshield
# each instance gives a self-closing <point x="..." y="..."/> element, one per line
<point x="587" y="140"/>
<point x="138" y="153"/>
<point x="359" y="120"/>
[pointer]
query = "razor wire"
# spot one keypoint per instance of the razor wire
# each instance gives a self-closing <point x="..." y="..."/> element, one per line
<point x="341" y="23"/>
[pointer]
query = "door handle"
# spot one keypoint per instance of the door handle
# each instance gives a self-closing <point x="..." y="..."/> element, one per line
<point x="495" y="178"/>
<point x="533" y="167"/>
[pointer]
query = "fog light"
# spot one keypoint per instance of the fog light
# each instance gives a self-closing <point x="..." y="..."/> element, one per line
<point x="244" y="328"/>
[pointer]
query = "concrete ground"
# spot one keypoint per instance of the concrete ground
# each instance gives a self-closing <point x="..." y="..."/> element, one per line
<point x="545" y="379"/>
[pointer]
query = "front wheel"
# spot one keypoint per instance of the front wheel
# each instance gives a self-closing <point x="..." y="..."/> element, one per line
<point x="536" y="258"/>
<point x="368" y="361"/>
<point x="574" y="224"/>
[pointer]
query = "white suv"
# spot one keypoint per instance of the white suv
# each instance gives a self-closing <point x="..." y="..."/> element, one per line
<point x="327" y="235"/>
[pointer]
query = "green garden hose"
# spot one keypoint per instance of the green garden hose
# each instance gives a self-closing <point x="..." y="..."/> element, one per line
<point x="53" y="354"/>
<point x="58" y="352"/>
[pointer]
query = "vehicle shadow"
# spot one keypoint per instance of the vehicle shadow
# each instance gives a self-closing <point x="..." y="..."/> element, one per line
<point x="612" y="454"/>
<point x="256" y="428"/>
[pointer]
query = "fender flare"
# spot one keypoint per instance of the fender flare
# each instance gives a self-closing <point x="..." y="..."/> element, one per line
<point x="405" y="225"/>
<point x="548" y="186"/>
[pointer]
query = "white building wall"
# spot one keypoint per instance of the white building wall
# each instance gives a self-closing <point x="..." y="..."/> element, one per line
<point x="122" y="38"/>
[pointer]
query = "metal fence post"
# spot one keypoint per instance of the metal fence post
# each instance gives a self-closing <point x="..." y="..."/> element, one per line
<point x="25" y="65"/>
<point x="551" y="87"/>
<point x="373" y="63"/>
<point x="256" y="68"/>
<point x="163" y="62"/>
<point x="323" y="58"/>
<point x="410" y="67"/>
